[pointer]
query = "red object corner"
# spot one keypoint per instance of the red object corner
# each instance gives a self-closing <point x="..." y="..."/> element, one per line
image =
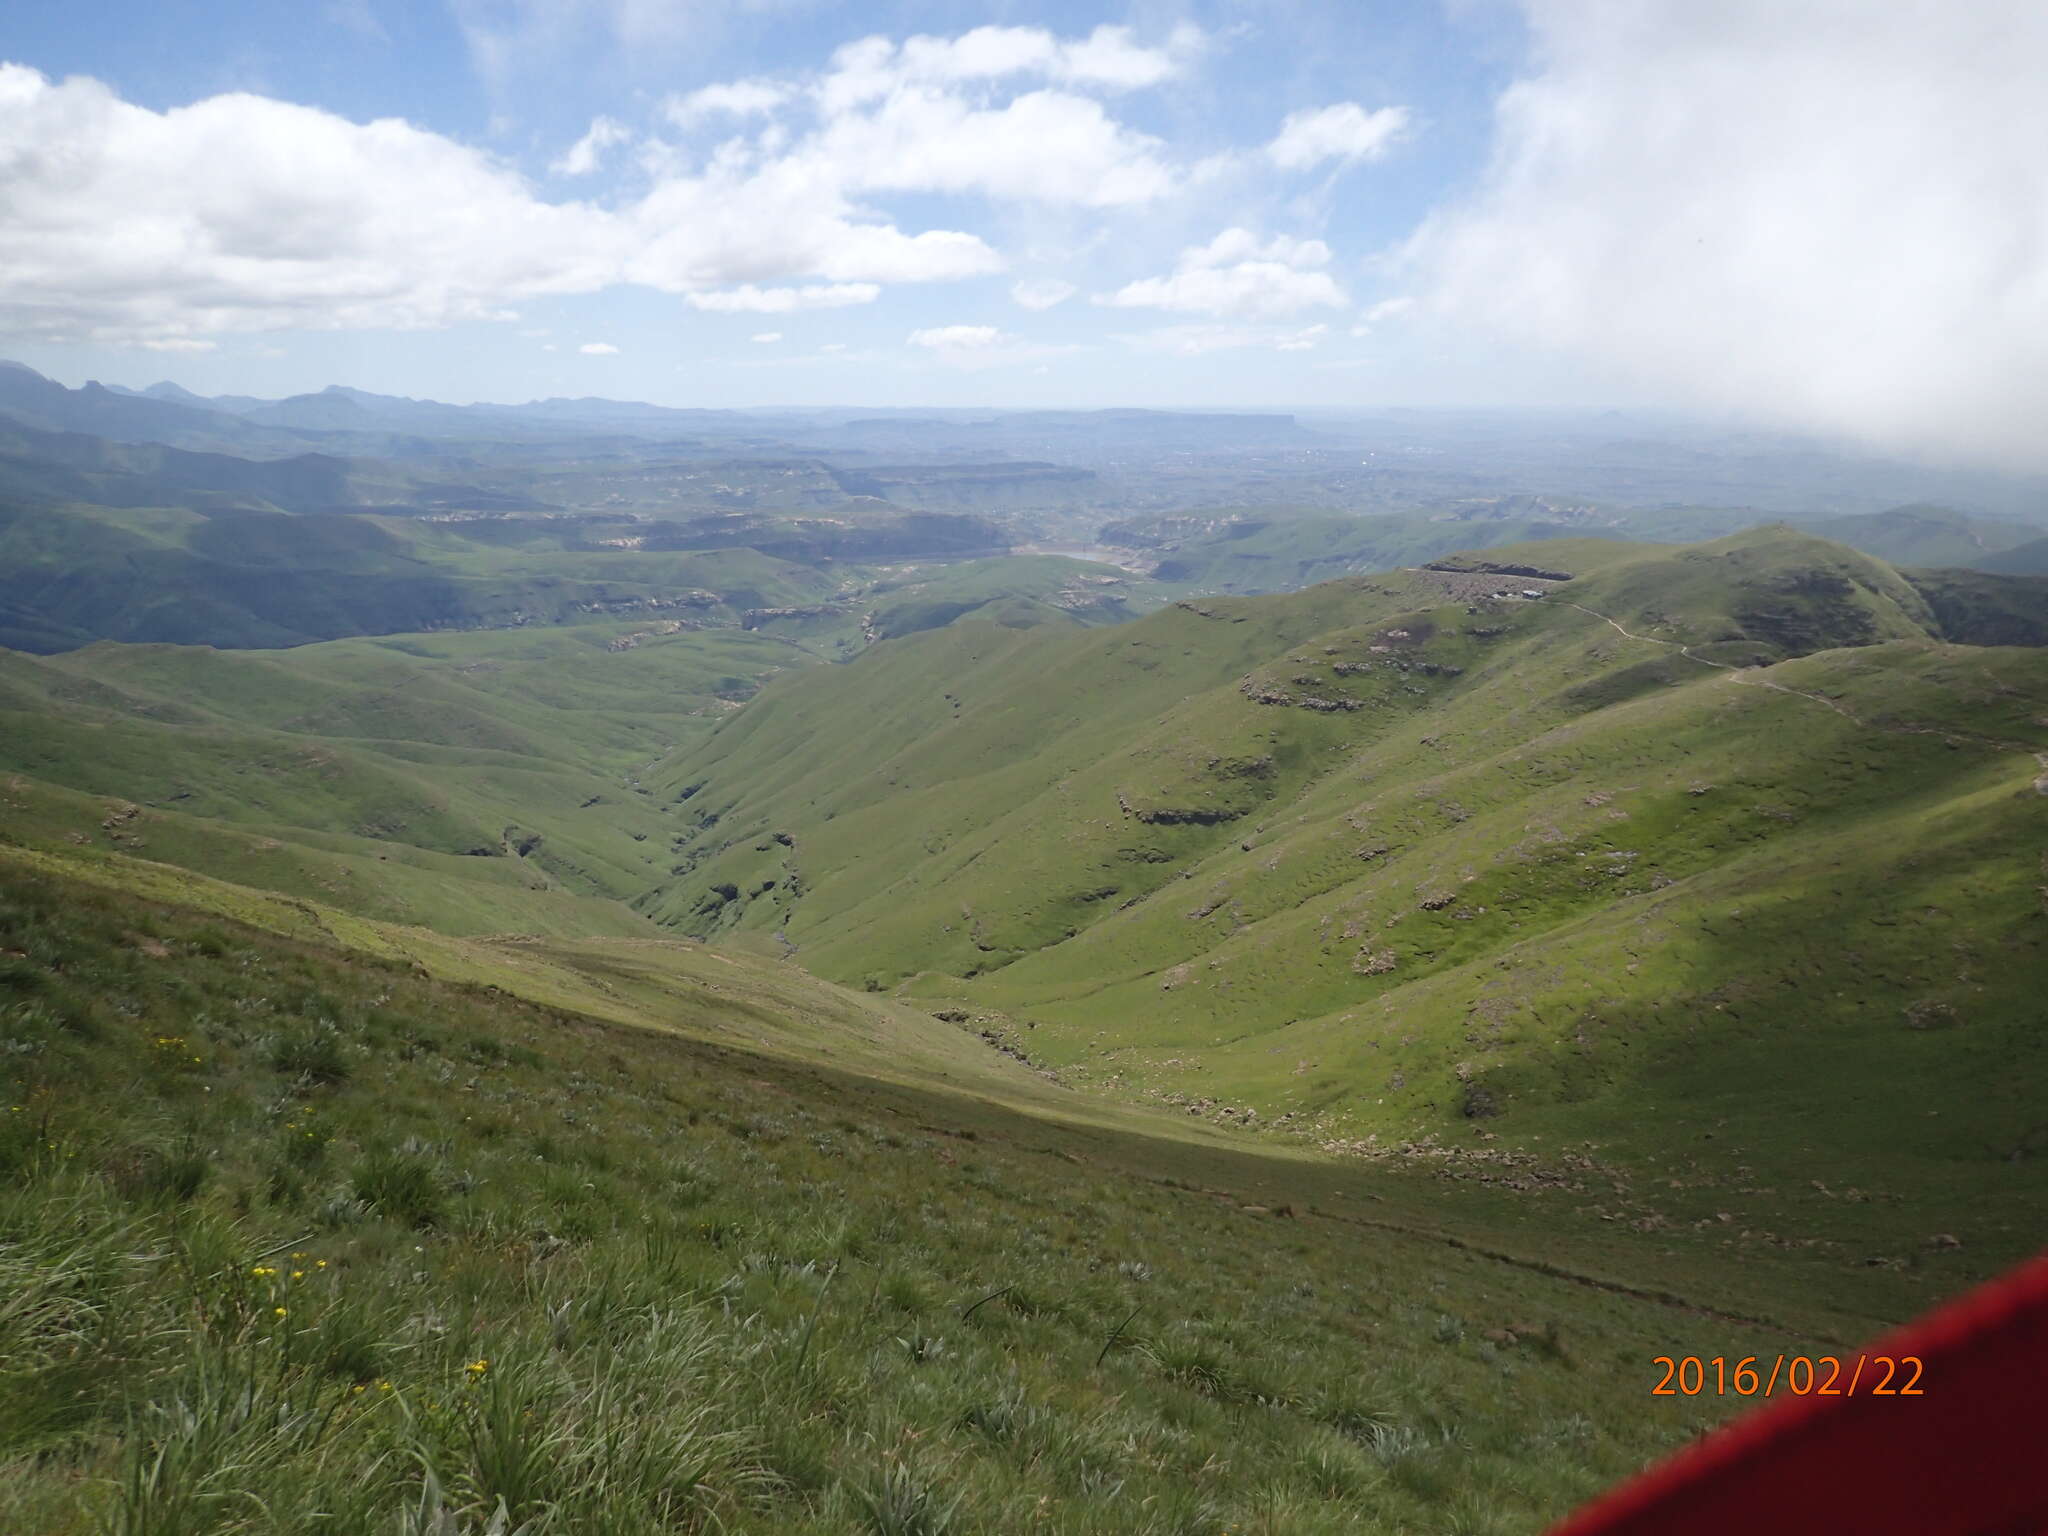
<point x="1967" y="1457"/>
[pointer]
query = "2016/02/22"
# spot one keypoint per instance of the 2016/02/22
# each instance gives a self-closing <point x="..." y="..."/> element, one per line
<point x="1687" y="1376"/>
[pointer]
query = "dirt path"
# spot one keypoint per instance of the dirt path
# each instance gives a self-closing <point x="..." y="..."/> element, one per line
<point x="1743" y="676"/>
<point x="1735" y="674"/>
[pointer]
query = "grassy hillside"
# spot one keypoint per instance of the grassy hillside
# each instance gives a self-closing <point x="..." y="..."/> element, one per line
<point x="306" y="1233"/>
<point x="1985" y="608"/>
<point x="1254" y="550"/>
<point x="1243" y="551"/>
<point x="1017" y="591"/>
<point x="1283" y="1064"/>
<point x="1927" y="535"/>
<point x="74" y="573"/>
<point x="476" y="783"/>
<point x="1706" y="844"/>
<point x="2030" y="559"/>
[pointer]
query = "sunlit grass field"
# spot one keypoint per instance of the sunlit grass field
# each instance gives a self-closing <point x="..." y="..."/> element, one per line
<point x="300" y="1239"/>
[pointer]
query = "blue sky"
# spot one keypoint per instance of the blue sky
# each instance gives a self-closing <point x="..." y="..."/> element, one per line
<point x="523" y="83"/>
<point x="1216" y="202"/>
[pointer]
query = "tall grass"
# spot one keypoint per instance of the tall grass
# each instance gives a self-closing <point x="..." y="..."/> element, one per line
<point x="514" y="1272"/>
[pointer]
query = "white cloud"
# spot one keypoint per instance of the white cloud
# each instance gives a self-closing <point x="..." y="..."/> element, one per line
<point x="1043" y="146"/>
<point x="177" y="344"/>
<point x="979" y="347"/>
<point x="239" y="213"/>
<point x="954" y="338"/>
<point x="1345" y="131"/>
<point x="1199" y="340"/>
<point x="1042" y="292"/>
<point x="1109" y="58"/>
<point x="587" y="153"/>
<point x="598" y="349"/>
<point x="1832" y="215"/>
<point x="1238" y="277"/>
<point x="1379" y="314"/>
<point x="765" y="338"/>
<point x="736" y="98"/>
<point x="749" y="300"/>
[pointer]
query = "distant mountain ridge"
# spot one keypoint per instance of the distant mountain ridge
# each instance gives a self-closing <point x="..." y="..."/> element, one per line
<point x="168" y="412"/>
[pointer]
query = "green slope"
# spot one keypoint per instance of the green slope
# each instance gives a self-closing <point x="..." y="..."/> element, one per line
<point x="1248" y="550"/>
<point x="1927" y="535"/>
<point x="1986" y="608"/>
<point x="74" y="573"/>
<point x="1397" y="858"/>
<point x="309" y="1229"/>
<point x="477" y="783"/>
<point x="2030" y="559"/>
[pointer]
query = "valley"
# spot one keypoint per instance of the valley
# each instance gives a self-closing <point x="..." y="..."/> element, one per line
<point x="1052" y="988"/>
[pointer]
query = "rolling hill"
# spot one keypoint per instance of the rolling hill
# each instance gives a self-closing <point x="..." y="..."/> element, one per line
<point x="472" y="783"/>
<point x="1282" y="1062"/>
<point x="1414" y="860"/>
<point x="1923" y="535"/>
<point x="368" y="1228"/>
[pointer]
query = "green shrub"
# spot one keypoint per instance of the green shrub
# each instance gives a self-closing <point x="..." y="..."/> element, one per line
<point x="314" y="1055"/>
<point x="401" y="1188"/>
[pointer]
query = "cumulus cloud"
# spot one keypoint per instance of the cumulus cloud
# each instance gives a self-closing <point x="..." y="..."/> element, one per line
<point x="598" y="349"/>
<point x="1345" y="131"/>
<point x="1043" y="146"/>
<point x="241" y="213"/>
<point x="1000" y="112"/>
<point x="587" y="153"/>
<point x="735" y="98"/>
<point x="1109" y="58"/>
<point x="1041" y="292"/>
<point x="1238" y="277"/>
<point x="748" y="299"/>
<point x="1833" y="216"/>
